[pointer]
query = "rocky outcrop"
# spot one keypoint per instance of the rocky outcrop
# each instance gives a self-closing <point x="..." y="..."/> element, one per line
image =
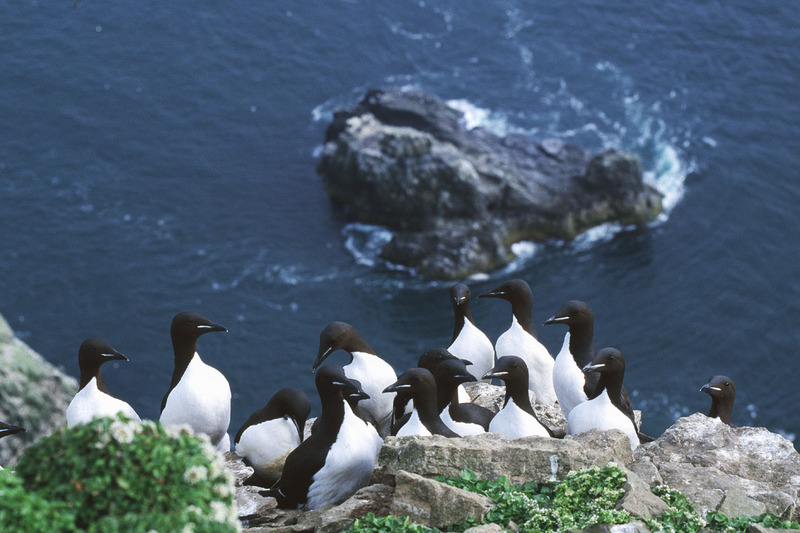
<point x="33" y="394"/>
<point x="456" y="199"/>
<point x="735" y="471"/>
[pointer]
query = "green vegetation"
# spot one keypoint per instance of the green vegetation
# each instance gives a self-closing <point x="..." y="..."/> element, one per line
<point x="116" y="475"/>
<point x="583" y="499"/>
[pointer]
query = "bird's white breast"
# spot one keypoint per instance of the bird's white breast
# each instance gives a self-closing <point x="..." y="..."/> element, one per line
<point x="413" y="426"/>
<point x="375" y="375"/>
<point x="514" y="423"/>
<point x="516" y="341"/>
<point x="90" y="402"/>
<point x="348" y="465"/>
<point x="202" y="400"/>
<point x="462" y="428"/>
<point x="474" y="346"/>
<point x="600" y="413"/>
<point x="266" y="445"/>
<point x="568" y="379"/>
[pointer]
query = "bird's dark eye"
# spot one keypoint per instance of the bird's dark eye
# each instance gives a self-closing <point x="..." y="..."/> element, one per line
<point x="727" y="384"/>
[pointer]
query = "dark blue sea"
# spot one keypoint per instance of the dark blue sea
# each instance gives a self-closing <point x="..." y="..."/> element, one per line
<point x="159" y="156"/>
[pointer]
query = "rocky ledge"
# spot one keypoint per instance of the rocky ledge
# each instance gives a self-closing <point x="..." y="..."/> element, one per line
<point x="33" y="394"/>
<point x="456" y="199"/>
<point x="734" y="471"/>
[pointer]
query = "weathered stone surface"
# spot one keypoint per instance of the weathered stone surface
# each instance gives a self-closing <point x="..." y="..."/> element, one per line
<point x="707" y="460"/>
<point x="490" y="456"/>
<point x="33" y="394"/>
<point x="485" y="528"/>
<point x="639" y="499"/>
<point x="456" y="198"/>
<point x="636" y="526"/>
<point x="436" y="504"/>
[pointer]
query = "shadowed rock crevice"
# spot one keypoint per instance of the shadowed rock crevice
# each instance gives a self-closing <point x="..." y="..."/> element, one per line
<point x="456" y="199"/>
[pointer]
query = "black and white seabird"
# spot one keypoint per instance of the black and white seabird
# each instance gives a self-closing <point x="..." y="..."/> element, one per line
<point x="469" y="342"/>
<point x="606" y="410"/>
<point x="429" y="360"/>
<point x="463" y="418"/>
<point x="572" y="386"/>
<point x="93" y="399"/>
<point x="520" y="339"/>
<point x="722" y="392"/>
<point x="353" y="399"/>
<point x="366" y="366"/>
<point x="424" y="419"/>
<point x="7" y="429"/>
<point x="199" y="395"/>
<point x="271" y="433"/>
<point x="336" y="460"/>
<point x="517" y="418"/>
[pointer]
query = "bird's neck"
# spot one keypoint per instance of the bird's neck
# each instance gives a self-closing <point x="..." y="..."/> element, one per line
<point x="461" y="314"/>
<point x="721" y="409"/>
<point x="524" y="316"/>
<point x="580" y="343"/>
<point x="518" y="391"/>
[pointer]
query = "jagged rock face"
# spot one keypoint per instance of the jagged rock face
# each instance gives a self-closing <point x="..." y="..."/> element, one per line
<point x="738" y="471"/>
<point x="456" y="198"/>
<point x="33" y="394"/>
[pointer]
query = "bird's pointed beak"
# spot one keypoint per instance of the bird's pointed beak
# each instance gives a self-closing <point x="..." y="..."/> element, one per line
<point x="396" y="387"/>
<point x="591" y="367"/>
<point x="495" y="374"/>
<point x="466" y="362"/>
<point x="555" y="320"/>
<point x="492" y="294"/>
<point x="114" y="356"/>
<point x="321" y="356"/>
<point x="708" y="388"/>
<point x="207" y="328"/>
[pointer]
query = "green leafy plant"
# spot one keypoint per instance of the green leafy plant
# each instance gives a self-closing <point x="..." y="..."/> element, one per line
<point x="29" y="512"/>
<point x="583" y="499"/>
<point x="682" y="518"/>
<point x="120" y="475"/>
<point x="387" y="524"/>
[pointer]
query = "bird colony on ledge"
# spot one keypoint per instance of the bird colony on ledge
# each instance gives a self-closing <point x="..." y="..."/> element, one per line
<point x="365" y="401"/>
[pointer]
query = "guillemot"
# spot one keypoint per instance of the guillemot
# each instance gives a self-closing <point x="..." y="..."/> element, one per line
<point x="722" y="392"/>
<point x="429" y="360"/>
<point x="336" y="460"/>
<point x="464" y="418"/>
<point x="424" y="419"/>
<point x="271" y="433"/>
<point x="366" y="366"/>
<point x="520" y="339"/>
<point x="571" y="385"/>
<point x="199" y="395"/>
<point x="517" y="418"/>
<point x="469" y="342"/>
<point x="605" y="411"/>
<point x="93" y="398"/>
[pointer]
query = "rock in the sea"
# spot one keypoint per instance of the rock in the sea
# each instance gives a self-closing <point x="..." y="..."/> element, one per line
<point x="33" y="394"/>
<point x="456" y="199"/>
<point x="741" y="470"/>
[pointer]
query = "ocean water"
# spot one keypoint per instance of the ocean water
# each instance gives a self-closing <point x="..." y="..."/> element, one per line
<point x="156" y="158"/>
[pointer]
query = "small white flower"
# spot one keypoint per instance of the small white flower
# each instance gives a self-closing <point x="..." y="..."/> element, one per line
<point x="193" y="509"/>
<point x="219" y="512"/>
<point x="188" y="528"/>
<point x="122" y="432"/>
<point x="196" y="474"/>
